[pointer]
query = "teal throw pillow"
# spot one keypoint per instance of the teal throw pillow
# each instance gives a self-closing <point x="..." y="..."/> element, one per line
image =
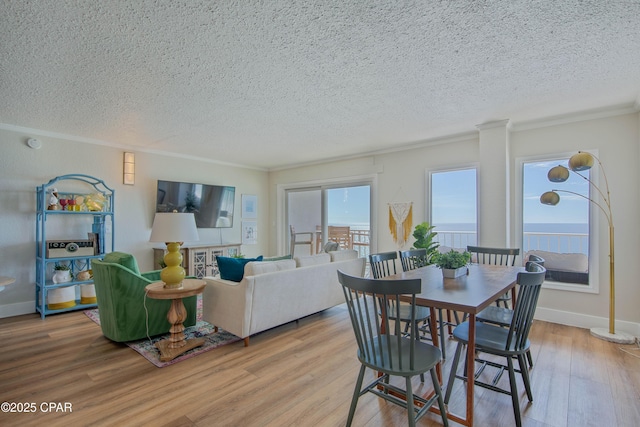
<point x="233" y="268"/>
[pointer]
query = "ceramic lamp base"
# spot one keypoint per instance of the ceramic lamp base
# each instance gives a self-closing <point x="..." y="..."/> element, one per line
<point x="618" y="337"/>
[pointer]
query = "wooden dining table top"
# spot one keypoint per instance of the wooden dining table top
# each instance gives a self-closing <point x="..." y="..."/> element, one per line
<point x="470" y="293"/>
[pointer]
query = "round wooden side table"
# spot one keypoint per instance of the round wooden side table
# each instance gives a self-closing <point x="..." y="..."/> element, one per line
<point x="176" y="344"/>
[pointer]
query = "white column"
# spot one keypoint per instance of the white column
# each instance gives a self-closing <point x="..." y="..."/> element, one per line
<point x="494" y="185"/>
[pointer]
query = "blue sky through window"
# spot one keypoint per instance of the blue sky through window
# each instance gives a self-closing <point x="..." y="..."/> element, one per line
<point x="349" y="206"/>
<point x="572" y="209"/>
<point x="454" y="199"/>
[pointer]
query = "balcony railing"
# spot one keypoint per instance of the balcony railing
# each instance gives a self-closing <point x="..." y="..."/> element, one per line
<point x="552" y="242"/>
<point x="360" y="241"/>
<point x="456" y="239"/>
<point x="556" y="242"/>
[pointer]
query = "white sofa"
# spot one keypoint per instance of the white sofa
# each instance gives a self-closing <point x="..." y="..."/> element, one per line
<point x="272" y="293"/>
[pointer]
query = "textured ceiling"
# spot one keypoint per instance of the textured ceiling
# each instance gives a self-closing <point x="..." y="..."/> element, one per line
<point x="272" y="83"/>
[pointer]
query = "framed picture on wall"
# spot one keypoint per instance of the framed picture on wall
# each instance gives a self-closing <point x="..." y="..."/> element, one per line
<point x="249" y="232"/>
<point x="249" y="206"/>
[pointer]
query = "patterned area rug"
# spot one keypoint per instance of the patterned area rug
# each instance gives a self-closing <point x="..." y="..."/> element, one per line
<point x="201" y="329"/>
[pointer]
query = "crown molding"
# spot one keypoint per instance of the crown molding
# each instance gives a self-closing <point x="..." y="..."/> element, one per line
<point x="133" y="148"/>
<point x="597" y="113"/>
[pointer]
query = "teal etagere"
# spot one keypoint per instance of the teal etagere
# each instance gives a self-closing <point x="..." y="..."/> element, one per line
<point x="74" y="225"/>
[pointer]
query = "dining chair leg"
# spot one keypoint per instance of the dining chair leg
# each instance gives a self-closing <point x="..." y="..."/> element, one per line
<point x="410" y="408"/>
<point x="356" y="395"/>
<point x="417" y="328"/>
<point x="514" y="392"/>
<point x="525" y="376"/>
<point x="438" y="391"/>
<point x="530" y="359"/>
<point x="452" y="375"/>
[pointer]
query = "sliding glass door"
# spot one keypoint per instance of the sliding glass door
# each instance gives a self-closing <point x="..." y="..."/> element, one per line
<point x="340" y="214"/>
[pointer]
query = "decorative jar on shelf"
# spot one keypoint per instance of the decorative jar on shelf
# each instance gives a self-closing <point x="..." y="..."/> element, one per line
<point x="61" y="276"/>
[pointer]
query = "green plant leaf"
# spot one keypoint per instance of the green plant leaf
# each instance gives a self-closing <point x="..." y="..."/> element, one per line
<point x="452" y="259"/>
<point x="424" y="235"/>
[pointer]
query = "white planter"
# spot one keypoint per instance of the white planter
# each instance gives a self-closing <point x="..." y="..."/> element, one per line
<point x="88" y="294"/>
<point x="449" y="273"/>
<point x="60" y="298"/>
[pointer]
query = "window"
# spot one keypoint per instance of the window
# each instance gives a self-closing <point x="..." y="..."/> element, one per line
<point x="454" y="207"/>
<point x="560" y="233"/>
<point x="343" y="210"/>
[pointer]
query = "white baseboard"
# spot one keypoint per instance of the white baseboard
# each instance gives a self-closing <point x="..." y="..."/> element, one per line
<point x="584" y="320"/>
<point x="17" y="309"/>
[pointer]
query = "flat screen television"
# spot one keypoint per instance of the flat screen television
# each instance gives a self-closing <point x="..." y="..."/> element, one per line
<point x="212" y="205"/>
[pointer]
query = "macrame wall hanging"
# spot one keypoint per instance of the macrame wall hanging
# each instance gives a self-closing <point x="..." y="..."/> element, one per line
<point x="400" y="221"/>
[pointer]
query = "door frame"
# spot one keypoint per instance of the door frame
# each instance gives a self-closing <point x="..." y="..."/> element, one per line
<point x="282" y="231"/>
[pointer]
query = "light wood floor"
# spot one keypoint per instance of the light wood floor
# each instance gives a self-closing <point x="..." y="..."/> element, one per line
<point x="300" y="374"/>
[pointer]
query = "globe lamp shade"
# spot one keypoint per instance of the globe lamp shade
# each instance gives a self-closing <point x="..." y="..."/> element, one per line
<point x="558" y="174"/>
<point x="550" y="198"/>
<point x="581" y="161"/>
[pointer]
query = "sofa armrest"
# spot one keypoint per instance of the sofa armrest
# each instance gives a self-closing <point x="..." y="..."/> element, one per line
<point x="227" y="305"/>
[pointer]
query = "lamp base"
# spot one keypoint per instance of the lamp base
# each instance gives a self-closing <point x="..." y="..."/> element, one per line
<point x="618" y="337"/>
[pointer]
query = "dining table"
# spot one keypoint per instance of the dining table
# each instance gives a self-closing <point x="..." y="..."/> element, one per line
<point x="469" y="294"/>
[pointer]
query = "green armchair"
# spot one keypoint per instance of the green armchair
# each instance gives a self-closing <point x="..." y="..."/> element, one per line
<point x="121" y="300"/>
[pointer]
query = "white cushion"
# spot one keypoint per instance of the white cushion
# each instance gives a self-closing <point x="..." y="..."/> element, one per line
<point x="562" y="261"/>
<point x="343" y="255"/>
<point x="306" y="261"/>
<point x="254" y="268"/>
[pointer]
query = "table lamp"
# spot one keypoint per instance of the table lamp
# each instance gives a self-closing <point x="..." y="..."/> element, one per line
<point x="583" y="161"/>
<point x="173" y="228"/>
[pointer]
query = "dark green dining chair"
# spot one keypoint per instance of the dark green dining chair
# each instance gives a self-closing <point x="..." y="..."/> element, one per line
<point x="416" y="258"/>
<point x="495" y="256"/>
<point x="387" y="350"/>
<point x="502" y="316"/>
<point x="383" y="265"/>
<point x="510" y="343"/>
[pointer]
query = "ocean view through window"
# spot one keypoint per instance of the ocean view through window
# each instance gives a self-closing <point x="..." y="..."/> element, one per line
<point x="453" y="195"/>
<point x="560" y="234"/>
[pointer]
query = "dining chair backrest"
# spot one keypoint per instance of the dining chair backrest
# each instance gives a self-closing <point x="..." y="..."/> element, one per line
<point x="530" y="283"/>
<point x="537" y="259"/>
<point x="381" y="347"/>
<point x="341" y="235"/>
<point x="383" y="264"/>
<point x="306" y="239"/>
<point x="413" y="258"/>
<point x="495" y="256"/>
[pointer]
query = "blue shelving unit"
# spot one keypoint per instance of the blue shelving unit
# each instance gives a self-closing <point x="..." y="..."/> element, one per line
<point x="82" y="233"/>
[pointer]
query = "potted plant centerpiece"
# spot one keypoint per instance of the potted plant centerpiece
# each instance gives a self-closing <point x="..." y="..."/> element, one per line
<point x="452" y="263"/>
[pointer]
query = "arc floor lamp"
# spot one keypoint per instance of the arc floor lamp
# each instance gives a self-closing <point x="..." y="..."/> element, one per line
<point x="583" y="161"/>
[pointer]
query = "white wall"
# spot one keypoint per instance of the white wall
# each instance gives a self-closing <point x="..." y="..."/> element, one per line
<point x="398" y="176"/>
<point x="618" y="143"/>
<point x="401" y="175"/>
<point x="22" y="169"/>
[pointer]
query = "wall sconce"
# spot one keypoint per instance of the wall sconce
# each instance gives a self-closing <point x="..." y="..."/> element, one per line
<point x="129" y="168"/>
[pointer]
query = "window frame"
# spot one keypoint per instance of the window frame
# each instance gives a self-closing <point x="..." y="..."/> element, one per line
<point x="594" y="222"/>
<point x="282" y="229"/>
<point x="429" y="193"/>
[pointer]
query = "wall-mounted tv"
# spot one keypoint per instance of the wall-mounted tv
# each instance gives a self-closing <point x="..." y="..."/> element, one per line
<point x="212" y="205"/>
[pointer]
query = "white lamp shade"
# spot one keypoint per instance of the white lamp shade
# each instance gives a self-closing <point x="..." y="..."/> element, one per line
<point x="174" y="227"/>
